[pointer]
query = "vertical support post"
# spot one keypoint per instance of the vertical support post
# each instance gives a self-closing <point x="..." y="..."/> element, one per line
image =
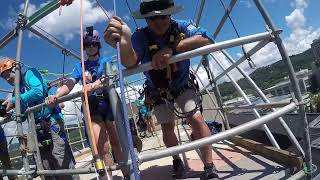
<point x="79" y="124"/>
<point x="133" y="156"/>
<point x="217" y="93"/>
<point x="198" y="67"/>
<point x="211" y="98"/>
<point x="185" y="160"/>
<point x="295" y="86"/>
<point x="128" y="95"/>
<point x="68" y="136"/>
<point x="85" y="118"/>
<point x="20" y="25"/>
<point x="117" y="112"/>
<point x="32" y="128"/>
<point x="200" y="12"/>
<point x="130" y="105"/>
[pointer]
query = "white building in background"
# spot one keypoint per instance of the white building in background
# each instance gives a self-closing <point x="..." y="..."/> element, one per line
<point x="72" y="109"/>
<point x="284" y="87"/>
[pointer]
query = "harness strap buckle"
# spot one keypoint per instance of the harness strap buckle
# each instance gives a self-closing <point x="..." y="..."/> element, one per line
<point x="166" y="95"/>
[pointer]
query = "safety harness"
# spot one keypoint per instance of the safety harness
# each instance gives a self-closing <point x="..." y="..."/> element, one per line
<point x="170" y="72"/>
<point x="45" y="126"/>
<point x="162" y="79"/>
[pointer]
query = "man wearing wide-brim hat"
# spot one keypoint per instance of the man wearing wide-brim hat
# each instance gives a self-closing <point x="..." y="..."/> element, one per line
<point x="172" y="88"/>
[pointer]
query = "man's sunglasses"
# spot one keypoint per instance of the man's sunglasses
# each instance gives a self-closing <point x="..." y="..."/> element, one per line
<point x="162" y="17"/>
<point x="91" y="44"/>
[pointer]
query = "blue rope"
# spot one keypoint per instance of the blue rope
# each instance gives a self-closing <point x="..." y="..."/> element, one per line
<point x="124" y="107"/>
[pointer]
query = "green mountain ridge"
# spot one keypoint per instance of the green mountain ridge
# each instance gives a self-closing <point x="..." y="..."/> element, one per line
<point x="270" y="75"/>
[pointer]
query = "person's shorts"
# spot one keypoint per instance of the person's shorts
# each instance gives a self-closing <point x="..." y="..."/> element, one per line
<point x="100" y="106"/>
<point x="186" y="102"/>
<point x="58" y="155"/>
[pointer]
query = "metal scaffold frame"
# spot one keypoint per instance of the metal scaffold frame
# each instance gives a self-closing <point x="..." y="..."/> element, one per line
<point x="262" y="39"/>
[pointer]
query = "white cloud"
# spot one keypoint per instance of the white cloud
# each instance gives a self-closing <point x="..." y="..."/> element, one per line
<point x="301" y="3"/>
<point x="299" y="39"/>
<point x="9" y="23"/>
<point x="301" y="36"/>
<point x="296" y="19"/>
<point x="247" y="3"/>
<point x="67" y="25"/>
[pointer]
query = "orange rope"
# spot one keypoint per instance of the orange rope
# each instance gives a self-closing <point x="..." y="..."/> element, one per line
<point x="84" y="82"/>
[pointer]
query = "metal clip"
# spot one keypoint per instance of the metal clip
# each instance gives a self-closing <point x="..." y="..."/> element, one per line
<point x="22" y="21"/>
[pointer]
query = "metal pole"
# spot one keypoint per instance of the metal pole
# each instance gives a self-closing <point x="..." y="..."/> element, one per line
<point x="255" y="49"/>
<point x="260" y="106"/>
<point x="200" y="12"/>
<point x="185" y="160"/>
<point x="224" y="18"/>
<point x="255" y="112"/>
<point x="225" y="123"/>
<point x="134" y="166"/>
<point x="7" y="38"/>
<point x="79" y="124"/>
<point x="266" y="36"/>
<point x="47" y="9"/>
<point x="117" y="112"/>
<point x="60" y="172"/>
<point x="198" y="67"/>
<point x="20" y="25"/>
<point x="58" y="81"/>
<point x="217" y="137"/>
<point x="291" y="136"/>
<point x="42" y="12"/>
<point x="32" y="128"/>
<point x="5" y="91"/>
<point x="134" y="118"/>
<point x="37" y="31"/>
<point x="218" y="94"/>
<point x="85" y="118"/>
<point x="59" y="100"/>
<point x="295" y="85"/>
<point x="130" y="105"/>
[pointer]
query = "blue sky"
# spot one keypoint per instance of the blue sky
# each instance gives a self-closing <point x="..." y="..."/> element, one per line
<point x="297" y="18"/>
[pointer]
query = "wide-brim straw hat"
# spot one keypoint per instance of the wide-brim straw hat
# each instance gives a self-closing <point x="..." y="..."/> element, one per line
<point x="149" y="8"/>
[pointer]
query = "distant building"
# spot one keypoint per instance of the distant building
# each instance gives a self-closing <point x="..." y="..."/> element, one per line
<point x="284" y="87"/>
<point x="316" y="48"/>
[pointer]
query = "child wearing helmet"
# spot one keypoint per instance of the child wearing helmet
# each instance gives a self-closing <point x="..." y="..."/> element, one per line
<point x="100" y="110"/>
<point x="54" y="148"/>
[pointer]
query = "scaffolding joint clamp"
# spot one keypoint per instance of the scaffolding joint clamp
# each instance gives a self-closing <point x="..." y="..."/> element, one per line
<point x="66" y="52"/>
<point x="22" y="21"/>
<point x="310" y="170"/>
<point x="275" y="34"/>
